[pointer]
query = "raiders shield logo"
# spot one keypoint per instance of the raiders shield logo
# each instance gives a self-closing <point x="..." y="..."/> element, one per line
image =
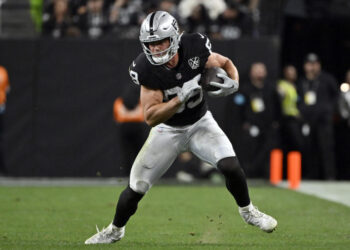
<point x="194" y="62"/>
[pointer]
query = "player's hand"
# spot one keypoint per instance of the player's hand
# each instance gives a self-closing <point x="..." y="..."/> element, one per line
<point x="189" y="88"/>
<point x="228" y="87"/>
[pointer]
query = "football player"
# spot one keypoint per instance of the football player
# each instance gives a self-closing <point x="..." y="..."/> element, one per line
<point x="168" y="71"/>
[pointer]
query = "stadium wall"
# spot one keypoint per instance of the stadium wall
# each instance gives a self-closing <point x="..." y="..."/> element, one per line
<point x="59" y="116"/>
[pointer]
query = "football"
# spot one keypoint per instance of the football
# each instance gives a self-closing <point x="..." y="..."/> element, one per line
<point x="209" y="75"/>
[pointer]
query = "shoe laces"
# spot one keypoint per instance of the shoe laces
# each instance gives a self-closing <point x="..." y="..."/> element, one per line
<point x="256" y="213"/>
<point x="104" y="232"/>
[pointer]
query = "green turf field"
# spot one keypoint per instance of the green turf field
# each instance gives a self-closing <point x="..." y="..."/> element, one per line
<point x="169" y="217"/>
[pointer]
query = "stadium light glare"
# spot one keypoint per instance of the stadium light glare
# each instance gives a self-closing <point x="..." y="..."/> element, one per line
<point x="345" y="87"/>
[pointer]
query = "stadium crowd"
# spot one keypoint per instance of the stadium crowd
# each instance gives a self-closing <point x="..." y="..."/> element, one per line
<point x="220" y="19"/>
<point x="296" y="113"/>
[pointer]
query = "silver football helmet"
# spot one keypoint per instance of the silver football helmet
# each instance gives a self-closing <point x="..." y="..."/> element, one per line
<point x="157" y="26"/>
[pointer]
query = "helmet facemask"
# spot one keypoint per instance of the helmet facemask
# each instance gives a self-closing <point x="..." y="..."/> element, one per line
<point x="161" y="57"/>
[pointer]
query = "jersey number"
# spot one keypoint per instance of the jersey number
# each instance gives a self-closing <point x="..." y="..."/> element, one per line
<point x="207" y="43"/>
<point x="134" y="76"/>
<point x="170" y="93"/>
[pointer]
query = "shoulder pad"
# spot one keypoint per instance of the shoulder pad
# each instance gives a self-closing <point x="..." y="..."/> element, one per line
<point x="198" y="41"/>
<point x="202" y="40"/>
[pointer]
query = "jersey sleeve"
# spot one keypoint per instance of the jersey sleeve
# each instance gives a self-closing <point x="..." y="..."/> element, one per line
<point x="141" y="72"/>
<point x="199" y="45"/>
<point x="135" y="70"/>
<point x="204" y="44"/>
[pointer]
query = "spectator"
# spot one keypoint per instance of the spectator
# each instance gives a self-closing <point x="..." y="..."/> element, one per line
<point x="187" y="163"/>
<point x="170" y="7"/>
<point x="125" y="12"/>
<point x="319" y="95"/>
<point x="342" y="130"/>
<point x="199" y="15"/>
<point x="290" y="120"/>
<point x="36" y="12"/>
<point x="57" y="22"/>
<point x="125" y="16"/>
<point x="4" y="89"/>
<point x="259" y="114"/>
<point x="94" y="22"/>
<point x="149" y="7"/>
<point x="344" y="98"/>
<point x="232" y="23"/>
<point x="77" y="7"/>
<point x="347" y="76"/>
<point x="189" y="168"/>
<point x="199" y="21"/>
<point x="214" y="8"/>
<point x="252" y="13"/>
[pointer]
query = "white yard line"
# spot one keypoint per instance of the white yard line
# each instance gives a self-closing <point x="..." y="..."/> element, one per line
<point x="337" y="191"/>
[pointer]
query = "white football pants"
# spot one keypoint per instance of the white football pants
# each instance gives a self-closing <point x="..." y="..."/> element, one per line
<point x="204" y="138"/>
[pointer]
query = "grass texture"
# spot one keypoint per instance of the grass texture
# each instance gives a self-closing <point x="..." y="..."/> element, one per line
<point x="169" y="217"/>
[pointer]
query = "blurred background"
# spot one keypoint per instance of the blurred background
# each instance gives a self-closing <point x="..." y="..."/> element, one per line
<point x="69" y="108"/>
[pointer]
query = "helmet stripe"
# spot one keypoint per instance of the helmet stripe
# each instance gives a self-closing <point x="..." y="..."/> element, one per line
<point x="151" y="23"/>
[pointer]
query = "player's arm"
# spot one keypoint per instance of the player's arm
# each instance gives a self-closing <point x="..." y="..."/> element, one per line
<point x="217" y="60"/>
<point x="154" y="109"/>
<point x="230" y="84"/>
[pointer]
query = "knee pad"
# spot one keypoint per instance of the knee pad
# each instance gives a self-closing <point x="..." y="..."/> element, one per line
<point x="229" y="166"/>
<point x="140" y="187"/>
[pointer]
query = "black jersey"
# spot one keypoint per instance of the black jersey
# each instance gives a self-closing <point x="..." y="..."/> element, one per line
<point x="194" y="50"/>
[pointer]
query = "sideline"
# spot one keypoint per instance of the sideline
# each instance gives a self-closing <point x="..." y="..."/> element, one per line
<point x="61" y="182"/>
<point x="107" y="181"/>
<point x="336" y="191"/>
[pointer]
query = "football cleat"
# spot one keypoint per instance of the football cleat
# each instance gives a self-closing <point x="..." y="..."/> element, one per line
<point x="106" y="235"/>
<point x="253" y="216"/>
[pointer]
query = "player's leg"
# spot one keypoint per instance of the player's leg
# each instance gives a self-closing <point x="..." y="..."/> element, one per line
<point x="235" y="179"/>
<point x="237" y="185"/>
<point x="152" y="162"/>
<point x="155" y="157"/>
<point x="211" y="144"/>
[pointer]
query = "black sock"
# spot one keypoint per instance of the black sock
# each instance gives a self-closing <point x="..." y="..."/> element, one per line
<point x="235" y="180"/>
<point x="126" y="207"/>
